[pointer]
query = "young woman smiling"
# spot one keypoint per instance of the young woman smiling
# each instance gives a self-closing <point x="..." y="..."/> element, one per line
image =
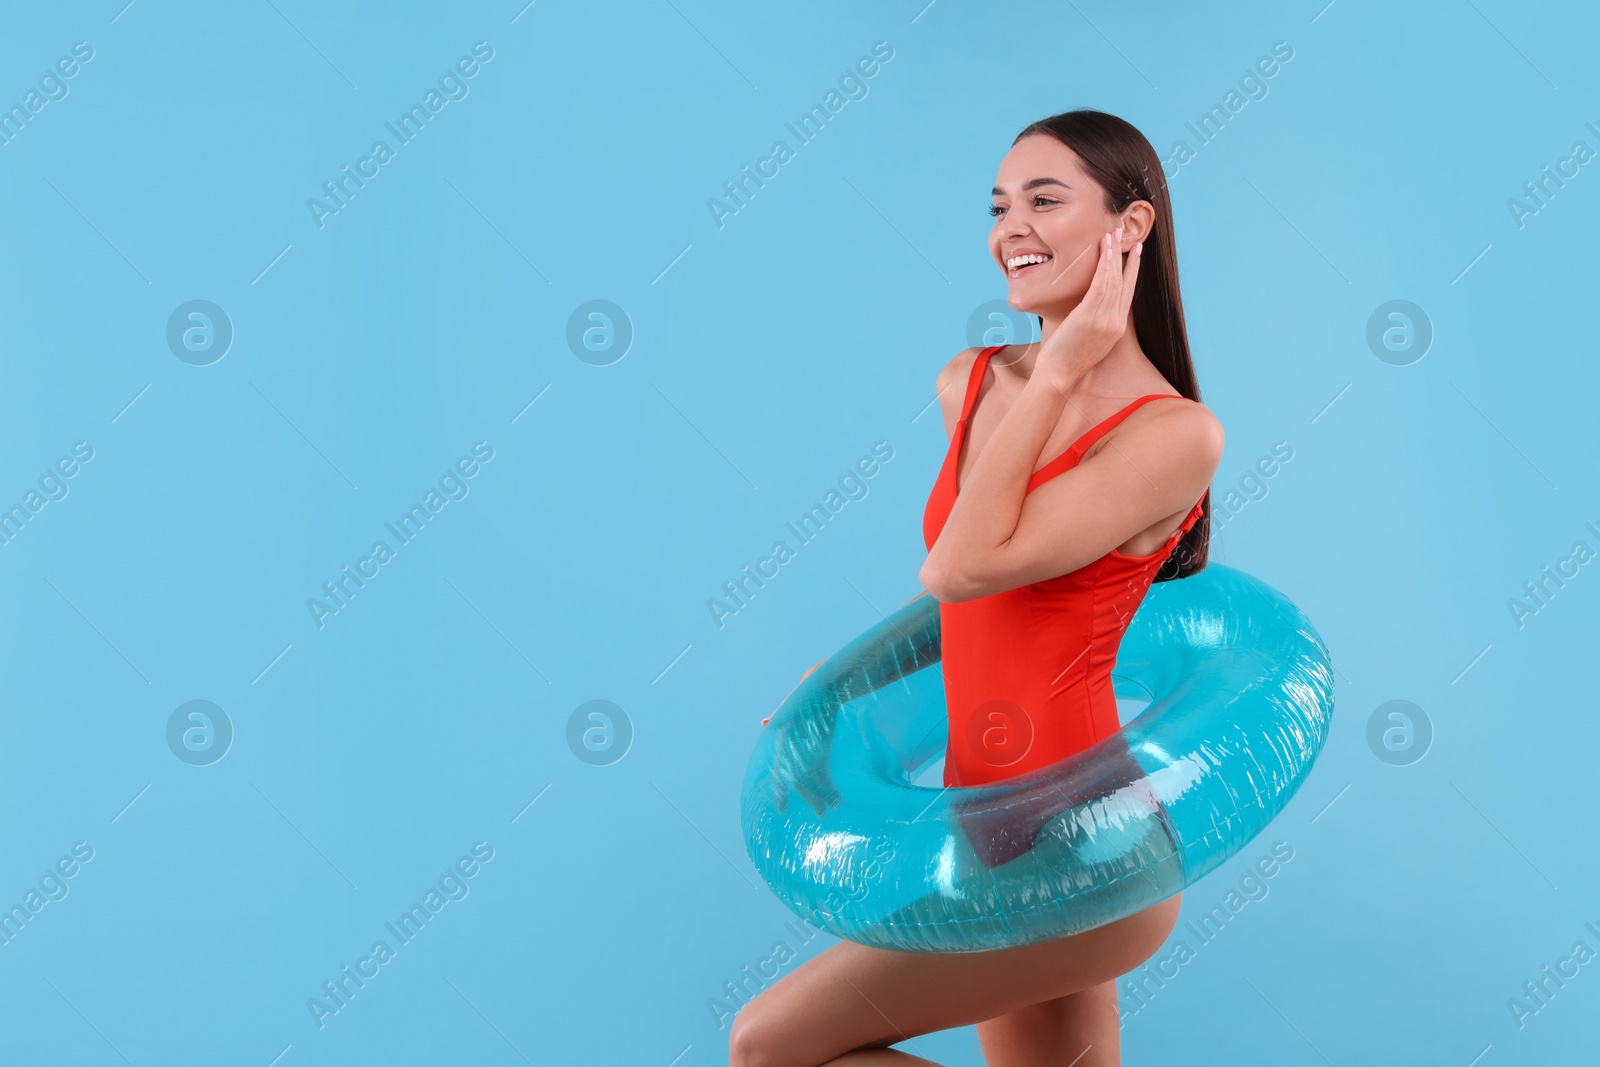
<point x="1077" y="473"/>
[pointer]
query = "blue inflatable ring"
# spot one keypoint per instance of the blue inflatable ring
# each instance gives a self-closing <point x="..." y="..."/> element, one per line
<point x="1241" y="698"/>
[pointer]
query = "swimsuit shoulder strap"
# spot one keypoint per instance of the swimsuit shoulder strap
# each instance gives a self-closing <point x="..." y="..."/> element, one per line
<point x="1069" y="459"/>
<point x="1193" y="517"/>
<point x="975" y="377"/>
<point x="1081" y="445"/>
<point x="1189" y="520"/>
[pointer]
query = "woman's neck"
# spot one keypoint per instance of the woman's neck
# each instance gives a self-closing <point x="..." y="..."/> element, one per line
<point x="1124" y="371"/>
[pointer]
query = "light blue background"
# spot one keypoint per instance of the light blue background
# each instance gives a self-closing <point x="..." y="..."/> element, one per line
<point x="768" y="356"/>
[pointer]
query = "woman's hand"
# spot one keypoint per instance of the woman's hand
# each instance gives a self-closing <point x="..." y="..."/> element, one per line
<point x="800" y="753"/>
<point x="1101" y="317"/>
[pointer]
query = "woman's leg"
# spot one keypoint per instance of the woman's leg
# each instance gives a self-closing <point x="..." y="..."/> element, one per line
<point x="851" y="997"/>
<point x="1077" y="1030"/>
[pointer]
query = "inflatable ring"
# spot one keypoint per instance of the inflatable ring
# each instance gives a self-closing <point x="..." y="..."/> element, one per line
<point x="1241" y="698"/>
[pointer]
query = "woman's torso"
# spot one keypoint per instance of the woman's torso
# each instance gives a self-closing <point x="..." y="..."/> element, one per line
<point x="1027" y="671"/>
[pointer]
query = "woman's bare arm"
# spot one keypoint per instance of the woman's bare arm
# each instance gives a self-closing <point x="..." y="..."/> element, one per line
<point x="999" y="537"/>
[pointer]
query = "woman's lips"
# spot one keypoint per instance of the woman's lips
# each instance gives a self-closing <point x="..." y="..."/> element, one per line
<point x="1020" y="271"/>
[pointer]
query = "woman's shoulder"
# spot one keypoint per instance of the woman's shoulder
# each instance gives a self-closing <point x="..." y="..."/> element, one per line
<point x="950" y="386"/>
<point x="1191" y="424"/>
<point x="960" y="364"/>
<point x="1191" y="413"/>
<point x="952" y="377"/>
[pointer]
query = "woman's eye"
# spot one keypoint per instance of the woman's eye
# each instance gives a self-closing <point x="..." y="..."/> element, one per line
<point x="1038" y="201"/>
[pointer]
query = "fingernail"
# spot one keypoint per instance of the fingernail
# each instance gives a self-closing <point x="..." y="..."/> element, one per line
<point x="1138" y="248"/>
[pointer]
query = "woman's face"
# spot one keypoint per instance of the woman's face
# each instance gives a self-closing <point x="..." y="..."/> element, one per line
<point x="1044" y="203"/>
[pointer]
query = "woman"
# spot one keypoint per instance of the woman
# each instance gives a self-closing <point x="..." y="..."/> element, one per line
<point x="1077" y="474"/>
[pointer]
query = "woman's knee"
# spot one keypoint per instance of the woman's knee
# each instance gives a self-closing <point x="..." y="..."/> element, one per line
<point x="751" y="1042"/>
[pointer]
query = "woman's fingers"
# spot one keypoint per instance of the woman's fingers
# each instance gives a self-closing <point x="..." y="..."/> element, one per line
<point x="1103" y="305"/>
<point x="1097" y="281"/>
<point x="1130" y="276"/>
<point x="1100" y="286"/>
<point x="1103" y="311"/>
<point x="1120" y="288"/>
<point x="1114" y="269"/>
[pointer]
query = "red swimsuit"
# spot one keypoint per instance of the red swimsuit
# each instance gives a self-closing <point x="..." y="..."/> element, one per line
<point x="1027" y="671"/>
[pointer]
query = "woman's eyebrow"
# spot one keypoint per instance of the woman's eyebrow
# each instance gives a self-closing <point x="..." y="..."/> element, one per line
<point x="1033" y="184"/>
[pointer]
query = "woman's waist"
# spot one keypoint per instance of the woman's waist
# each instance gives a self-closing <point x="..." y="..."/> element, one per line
<point x="1031" y="642"/>
<point x="1111" y="576"/>
<point x="1069" y="689"/>
<point x="996" y="733"/>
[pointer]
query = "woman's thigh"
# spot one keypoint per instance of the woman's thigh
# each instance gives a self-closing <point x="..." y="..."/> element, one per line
<point x="852" y="996"/>
<point x="1081" y="1029"/>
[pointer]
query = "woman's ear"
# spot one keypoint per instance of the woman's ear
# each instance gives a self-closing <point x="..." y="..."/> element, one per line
<point x="1138" y="219"/>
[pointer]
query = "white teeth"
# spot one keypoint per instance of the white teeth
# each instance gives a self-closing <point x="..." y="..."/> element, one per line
<point x="1022" y="261"/>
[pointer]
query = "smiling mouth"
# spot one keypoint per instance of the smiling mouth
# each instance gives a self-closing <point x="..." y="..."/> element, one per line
<point x="1026" y="268"/>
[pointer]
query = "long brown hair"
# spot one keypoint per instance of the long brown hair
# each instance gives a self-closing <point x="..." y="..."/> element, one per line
<point x="1120" y="159"/>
